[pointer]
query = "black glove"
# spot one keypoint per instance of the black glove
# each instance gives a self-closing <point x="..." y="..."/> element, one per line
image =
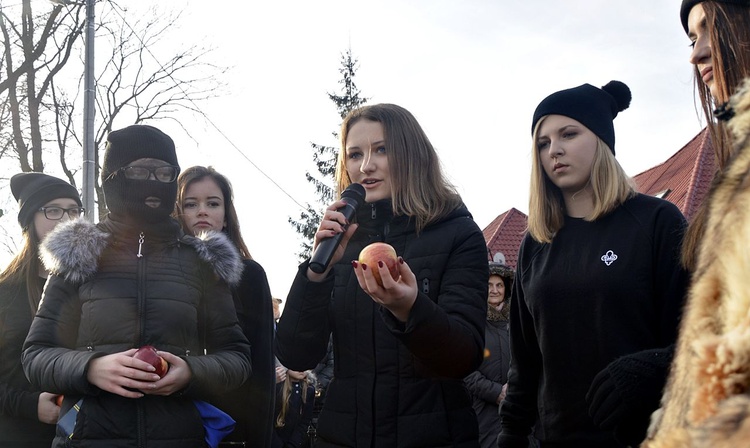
<point x="625" y="393"/>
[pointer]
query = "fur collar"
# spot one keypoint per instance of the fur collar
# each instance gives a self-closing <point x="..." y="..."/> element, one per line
<point x="73" y="249"/>
<point x="216" y="249"/>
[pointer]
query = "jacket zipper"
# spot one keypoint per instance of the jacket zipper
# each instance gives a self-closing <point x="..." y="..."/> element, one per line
<point x="141" y="239"/>
<point x="141" y="298"/>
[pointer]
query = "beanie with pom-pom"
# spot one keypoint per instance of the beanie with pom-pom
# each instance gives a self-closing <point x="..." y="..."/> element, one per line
<point x="593" y="107"/>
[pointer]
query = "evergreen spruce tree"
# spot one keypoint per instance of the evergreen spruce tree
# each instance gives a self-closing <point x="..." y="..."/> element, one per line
<point x="325" y="157"/>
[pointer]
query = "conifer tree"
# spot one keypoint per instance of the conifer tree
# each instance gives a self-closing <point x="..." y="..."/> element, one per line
<point x="347" y="99"/>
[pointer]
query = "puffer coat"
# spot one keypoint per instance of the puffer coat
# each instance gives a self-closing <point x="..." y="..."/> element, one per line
<point x="395" y="384"/>
<point x="104" y="298"/>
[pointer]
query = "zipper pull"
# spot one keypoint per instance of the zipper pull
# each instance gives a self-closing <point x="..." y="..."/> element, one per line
<point x="141" y="238"/>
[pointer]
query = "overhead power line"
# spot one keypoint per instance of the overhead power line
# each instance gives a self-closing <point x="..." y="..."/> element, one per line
<point x="276" y="184"/>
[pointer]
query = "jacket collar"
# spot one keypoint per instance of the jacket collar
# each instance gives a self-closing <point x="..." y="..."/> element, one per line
<point x="73" y="249"/>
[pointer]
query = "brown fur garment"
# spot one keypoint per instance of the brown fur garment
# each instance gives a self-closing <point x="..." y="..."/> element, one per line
<point x="706" y="402"/>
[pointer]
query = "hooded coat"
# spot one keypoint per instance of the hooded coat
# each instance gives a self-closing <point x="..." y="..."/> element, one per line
<point x="486" y="383"/>
<point x="103" y="298"/>
<point x="395" y="384"/>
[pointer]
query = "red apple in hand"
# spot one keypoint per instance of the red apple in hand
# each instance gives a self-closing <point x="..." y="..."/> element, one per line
<point x="374" y="252"/>
<point x="148" y="353"/>
<point x="59" y="400"/>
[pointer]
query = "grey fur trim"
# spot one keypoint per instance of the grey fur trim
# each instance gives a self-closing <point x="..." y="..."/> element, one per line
<point x="72" y="250"/>
<point x="501" y="270"/>
<point x="216" y="249"/>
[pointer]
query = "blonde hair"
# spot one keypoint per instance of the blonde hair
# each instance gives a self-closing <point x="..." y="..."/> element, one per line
<point x="609" y="183"/>
<point x="286" y="393"/>
<point x="419" y="187"/>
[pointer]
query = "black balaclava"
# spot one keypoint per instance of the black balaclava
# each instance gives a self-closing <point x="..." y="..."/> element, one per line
<point x="125" y="197"/>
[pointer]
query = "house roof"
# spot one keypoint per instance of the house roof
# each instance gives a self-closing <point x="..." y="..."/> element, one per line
<point x="503" y="236"/>
<point x="684" y="179"/>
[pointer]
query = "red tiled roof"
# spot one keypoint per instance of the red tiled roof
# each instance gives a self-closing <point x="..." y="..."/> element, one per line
<point x="504" y="234"/>
<point x="686" y="176"/>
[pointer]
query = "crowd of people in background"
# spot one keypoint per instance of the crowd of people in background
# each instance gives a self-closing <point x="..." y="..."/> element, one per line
<point x="621" y="325"/>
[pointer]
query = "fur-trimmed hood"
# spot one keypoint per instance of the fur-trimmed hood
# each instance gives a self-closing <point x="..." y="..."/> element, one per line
<point x="73" y="249"/>
<point x="507" y="273"/>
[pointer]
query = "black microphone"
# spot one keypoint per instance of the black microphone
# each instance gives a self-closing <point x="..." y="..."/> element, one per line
<point x="354" y="197"/>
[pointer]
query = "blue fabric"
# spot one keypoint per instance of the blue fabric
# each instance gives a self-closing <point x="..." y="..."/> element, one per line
<point x="217" y="423"/>
<point x="67" y="422"/>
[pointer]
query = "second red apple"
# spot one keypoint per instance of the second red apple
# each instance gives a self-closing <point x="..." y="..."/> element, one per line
<point x="148" y="353"/>
<point x="374" y="252"/>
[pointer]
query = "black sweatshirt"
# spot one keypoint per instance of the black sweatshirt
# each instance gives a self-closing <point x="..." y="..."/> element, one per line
<point x="599" y="291"/>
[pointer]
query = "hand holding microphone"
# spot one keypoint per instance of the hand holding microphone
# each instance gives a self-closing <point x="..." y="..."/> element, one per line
<point x="353" y="197"/>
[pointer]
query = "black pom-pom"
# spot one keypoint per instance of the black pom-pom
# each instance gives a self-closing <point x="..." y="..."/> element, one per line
<point x="620" y="92"/>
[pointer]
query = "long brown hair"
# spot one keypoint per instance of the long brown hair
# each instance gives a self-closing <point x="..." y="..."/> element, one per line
<point x="420" y="189"/>
<point x="232" y="228"/>
<point x="24" y="268"/>
<point x="728" y="26"/>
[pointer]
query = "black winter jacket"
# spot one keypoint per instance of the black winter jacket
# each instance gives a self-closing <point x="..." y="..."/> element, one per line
<point x="252" y="404"/>
<point x="103" y="298"/>
<point x="19" y="421"/>
<point x="395" y="384"/>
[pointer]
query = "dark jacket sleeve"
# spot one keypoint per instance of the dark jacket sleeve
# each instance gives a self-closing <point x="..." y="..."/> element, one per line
<point x="669" y="230"/>
<point x="518" y="410"/>
<point x="227" y="364"/>
<point x="448" y="335"/>
<point x="303" y="331"/>
<point x="482" y="387"/>
<point x="14" y="316"/>
<point x="50" y="360"/>
<point x="252" y="404"/>
<point x="324" y="370"/>
<point x="18" y="403"/>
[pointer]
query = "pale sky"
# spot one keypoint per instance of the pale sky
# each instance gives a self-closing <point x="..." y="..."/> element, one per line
<point x="471" y="71"/>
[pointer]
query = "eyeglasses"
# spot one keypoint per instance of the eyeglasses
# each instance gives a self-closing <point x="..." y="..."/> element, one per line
<point x="164" y="174"/>
<point x="56" y="213"/>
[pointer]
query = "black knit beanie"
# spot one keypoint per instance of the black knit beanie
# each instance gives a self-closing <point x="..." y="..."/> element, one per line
<point x="126" y="198"/>
<point x="595" y="108"/>
<point x="687" y="5"/>
<point x="33" y="190"/>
